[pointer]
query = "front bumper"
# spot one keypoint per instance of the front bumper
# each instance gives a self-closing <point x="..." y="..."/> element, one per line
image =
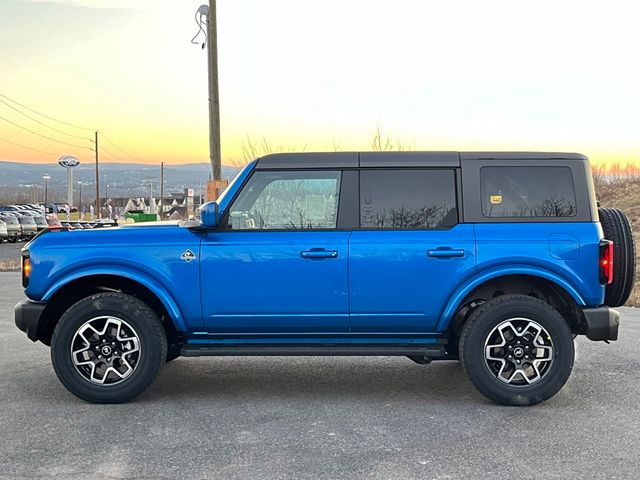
<point x="28" y="315"/>
<point x="602" y="323"/>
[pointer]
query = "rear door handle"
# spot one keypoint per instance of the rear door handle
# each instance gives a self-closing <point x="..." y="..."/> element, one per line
<point x="319" y="253"/>
<point x="445" y="252"/>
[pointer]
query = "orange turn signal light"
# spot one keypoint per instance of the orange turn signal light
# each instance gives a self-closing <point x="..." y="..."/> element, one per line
<point x="26" y="269"/>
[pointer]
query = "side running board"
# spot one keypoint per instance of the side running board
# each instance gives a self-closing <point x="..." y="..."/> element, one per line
<point x="430" y="351"/>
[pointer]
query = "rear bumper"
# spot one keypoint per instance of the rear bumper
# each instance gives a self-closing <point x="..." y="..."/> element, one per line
<point x="602" y="323"/>
<point x="28" y="315"/>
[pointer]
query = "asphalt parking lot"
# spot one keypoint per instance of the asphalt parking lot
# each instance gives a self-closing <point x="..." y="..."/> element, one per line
<point x="329" y="418"/>
<point x="10" y="251"/>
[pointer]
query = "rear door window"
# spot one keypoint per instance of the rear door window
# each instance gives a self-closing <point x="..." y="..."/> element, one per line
<point x="526" y="191"/>
<point x="407" y="199"/>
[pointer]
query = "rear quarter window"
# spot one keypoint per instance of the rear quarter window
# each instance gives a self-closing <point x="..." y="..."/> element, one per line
<point x="527" y="191"/>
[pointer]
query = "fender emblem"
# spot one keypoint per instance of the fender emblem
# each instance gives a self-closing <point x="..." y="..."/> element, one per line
<point x="188" y="255"/>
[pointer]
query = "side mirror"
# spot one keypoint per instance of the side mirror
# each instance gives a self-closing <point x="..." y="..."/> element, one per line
<point x="209" y="215"/>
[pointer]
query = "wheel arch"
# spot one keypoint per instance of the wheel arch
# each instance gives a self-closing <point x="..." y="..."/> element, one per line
<point x="68" y="291"/>
<point x="546" y="285"/>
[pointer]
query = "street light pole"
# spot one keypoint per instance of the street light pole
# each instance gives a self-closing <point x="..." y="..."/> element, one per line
<point x="46" y="177"/>
<point x="98" y="209"/>
<point x="161" y="189"/>
<point x="80" y="199"/>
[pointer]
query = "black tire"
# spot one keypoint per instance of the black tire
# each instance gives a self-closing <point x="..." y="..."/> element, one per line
<point x="138" y="315"/>
<point x="483" y="322"/>
<point x="14" y="240"/>
<point x="617" y="228"/>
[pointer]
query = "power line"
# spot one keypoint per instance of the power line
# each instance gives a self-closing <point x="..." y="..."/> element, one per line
<point x="24" y="146"/>
<point x="42" y="123"/>
<point x="45" y="116"/>
<point x="119" y="148"/>
<point x="112" y="154"/>
<point x="43" y="136"/>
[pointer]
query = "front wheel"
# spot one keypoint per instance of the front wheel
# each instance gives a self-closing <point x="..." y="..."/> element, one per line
<point x="517" y="350"/>
<point x="108" y="348"/>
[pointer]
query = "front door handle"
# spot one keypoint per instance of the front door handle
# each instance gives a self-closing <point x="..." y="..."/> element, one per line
<point x="319" y="253"/>
<point x="445" y="252"/>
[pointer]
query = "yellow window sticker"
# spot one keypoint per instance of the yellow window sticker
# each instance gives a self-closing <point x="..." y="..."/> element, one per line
<point x="495" y="199"/>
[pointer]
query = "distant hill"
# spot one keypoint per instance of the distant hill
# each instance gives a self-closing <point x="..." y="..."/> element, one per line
<point x="123" y="179"/>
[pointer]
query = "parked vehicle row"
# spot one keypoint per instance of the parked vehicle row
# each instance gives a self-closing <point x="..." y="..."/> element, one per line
<point x="21" y="222"/>
<point x="16" y="227"/>
<point x="30" y="209"/>
<point x="81" y="224"/>
<point x="24" y="222"/>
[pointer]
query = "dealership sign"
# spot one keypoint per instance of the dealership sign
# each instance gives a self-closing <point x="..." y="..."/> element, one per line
<point x="68" y="161"/>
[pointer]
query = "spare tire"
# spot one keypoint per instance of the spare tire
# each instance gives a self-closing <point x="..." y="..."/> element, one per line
<point x="617" y="228"/>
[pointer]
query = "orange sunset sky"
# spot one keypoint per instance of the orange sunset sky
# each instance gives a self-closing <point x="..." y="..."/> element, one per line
<point x="434" y="75"/>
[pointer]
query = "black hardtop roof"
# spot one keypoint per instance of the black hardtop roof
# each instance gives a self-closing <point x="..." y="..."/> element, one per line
<point x="397" y="159"/>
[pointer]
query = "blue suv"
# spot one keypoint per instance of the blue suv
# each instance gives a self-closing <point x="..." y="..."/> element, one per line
<point x="497" y="260"/>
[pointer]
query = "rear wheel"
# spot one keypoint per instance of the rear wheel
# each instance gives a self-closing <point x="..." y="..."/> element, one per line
<point x="517" y="350"/>
<point x="108" y="348"/>
<point x="617" y="228"/>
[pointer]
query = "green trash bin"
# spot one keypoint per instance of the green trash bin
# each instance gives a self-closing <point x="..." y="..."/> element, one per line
<point x="140" y="216"/>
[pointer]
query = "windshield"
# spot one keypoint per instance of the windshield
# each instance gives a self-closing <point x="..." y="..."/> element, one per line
<point x="27" y="221"/>
<point x="40" y="221"/>
<point x="10" y="220"/>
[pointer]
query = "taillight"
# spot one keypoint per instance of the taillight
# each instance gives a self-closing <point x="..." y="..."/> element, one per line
<point x="606" y="262"/>
<point x="26" y="269"/>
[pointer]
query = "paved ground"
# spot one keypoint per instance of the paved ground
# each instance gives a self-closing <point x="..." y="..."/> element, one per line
<point x="10" y="251"/>
<point x="298" y="418"/>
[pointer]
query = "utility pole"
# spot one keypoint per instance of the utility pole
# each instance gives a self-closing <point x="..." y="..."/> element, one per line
<point x="98" y="209"/>
<point x="161" y="190"/>
<point x="214" y="100"/>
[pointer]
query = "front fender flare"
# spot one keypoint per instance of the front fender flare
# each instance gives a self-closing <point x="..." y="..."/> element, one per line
<point x="132" y="274"/>
<point x="502" y="271"/>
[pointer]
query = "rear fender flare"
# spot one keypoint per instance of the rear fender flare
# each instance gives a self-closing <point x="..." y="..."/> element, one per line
<point x="481" y="277"/>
